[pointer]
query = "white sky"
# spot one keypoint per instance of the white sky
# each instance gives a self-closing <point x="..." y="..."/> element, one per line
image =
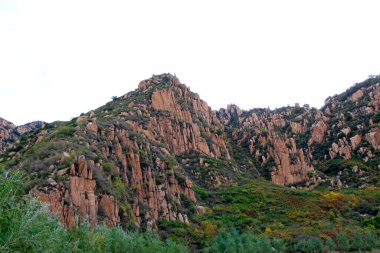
<point x="61" y="58"/>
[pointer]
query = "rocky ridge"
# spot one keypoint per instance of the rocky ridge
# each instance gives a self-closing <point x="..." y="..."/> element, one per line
<point x="298" y="145"/>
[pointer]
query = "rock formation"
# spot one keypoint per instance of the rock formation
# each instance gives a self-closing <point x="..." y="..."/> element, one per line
<point x="134" y="161"/>
<point x="78" y="197"/>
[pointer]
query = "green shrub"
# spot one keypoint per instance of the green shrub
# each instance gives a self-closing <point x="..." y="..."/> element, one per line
<point x="68" y="130"/>
<point x="330" y="244"/>
<point x="231" y="241"/>
<point x="109" y="168"/>
<point x="310" y="245"/>
<point x="119" y="189"/>
<point x="371" y="241"/>
<point x="171" y="162"/>
<point x="25" y="225"/>
<point x="279" y="245"/>
<point x="342" y="242"/>
<point x="357" y="241"/>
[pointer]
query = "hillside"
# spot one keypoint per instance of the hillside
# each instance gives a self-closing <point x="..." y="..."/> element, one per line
<point x="159" y="157"/>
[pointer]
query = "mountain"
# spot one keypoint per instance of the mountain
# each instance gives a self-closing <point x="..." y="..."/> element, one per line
<point x="160" y="157"/>
<point x="124" y="153"/>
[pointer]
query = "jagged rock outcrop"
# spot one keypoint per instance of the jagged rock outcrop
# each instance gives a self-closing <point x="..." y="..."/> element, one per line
<point x="157" y="191"/>
<point x="78" y="198"/>
<point x="289" y="141"/>
<point x="373" y="138"/>
<point x="288" y="172"/>
<point x="192" y="119"/>
<point x="318" y="131"/>
<point x="269" y="136"/>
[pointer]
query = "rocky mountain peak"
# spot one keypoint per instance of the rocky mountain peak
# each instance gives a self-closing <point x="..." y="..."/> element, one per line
<point x="162" y="79"/>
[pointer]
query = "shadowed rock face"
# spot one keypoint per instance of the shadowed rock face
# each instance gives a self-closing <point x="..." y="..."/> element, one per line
<point x="134" y="161"/>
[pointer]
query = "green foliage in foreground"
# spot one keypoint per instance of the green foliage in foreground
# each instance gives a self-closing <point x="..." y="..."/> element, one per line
<point x="27" y="226"/>
<point x="231" y="242"/>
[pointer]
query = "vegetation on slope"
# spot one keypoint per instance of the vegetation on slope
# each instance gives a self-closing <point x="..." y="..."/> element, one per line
<point x="262" y="214"/>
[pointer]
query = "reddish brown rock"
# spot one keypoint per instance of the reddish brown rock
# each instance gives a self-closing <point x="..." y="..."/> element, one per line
<point x="286" y="172"/>
<point x="296" y="127"/>
<point x="375" y="97"/>
<point x="374" y="138"/>
<point x="355" y="141"/>
<point x="357" y="95"/>
<point x="107" y="207"/>
<point x="334" y="150"/>
<point x="79" y="198"/>
<point x="92" y="126"/>
<point x="166" y="100"/>
<point x="345" y="152"/>
<point x="318" y="131"/>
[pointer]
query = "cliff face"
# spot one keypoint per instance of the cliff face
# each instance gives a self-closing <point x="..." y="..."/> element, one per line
<point x="134" y="161"/>
<point x="269" y="139"/>
<point x="78" y="197"/>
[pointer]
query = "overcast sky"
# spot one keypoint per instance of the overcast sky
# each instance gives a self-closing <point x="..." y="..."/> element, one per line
<point x="61" y="58"/>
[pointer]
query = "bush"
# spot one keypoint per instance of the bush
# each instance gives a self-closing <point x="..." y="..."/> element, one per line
<point x="103" y="239"/>
<point x="231" y="241"/>
<point x="279" y="245"/>
<point x="330" y="244"/>
<point x="170" y="162"/>
<point x="310" y="245"/>
<point x="371" y="241"/>
<point x="342" y="242"/>
<point x="68" y="130"/>
<point x="357" y="241"/>
<point x="25" y="225"/>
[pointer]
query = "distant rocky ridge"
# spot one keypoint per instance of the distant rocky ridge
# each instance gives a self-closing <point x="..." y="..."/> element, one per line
<point x="135" y="160"/>
<point x="9" y="133"/>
